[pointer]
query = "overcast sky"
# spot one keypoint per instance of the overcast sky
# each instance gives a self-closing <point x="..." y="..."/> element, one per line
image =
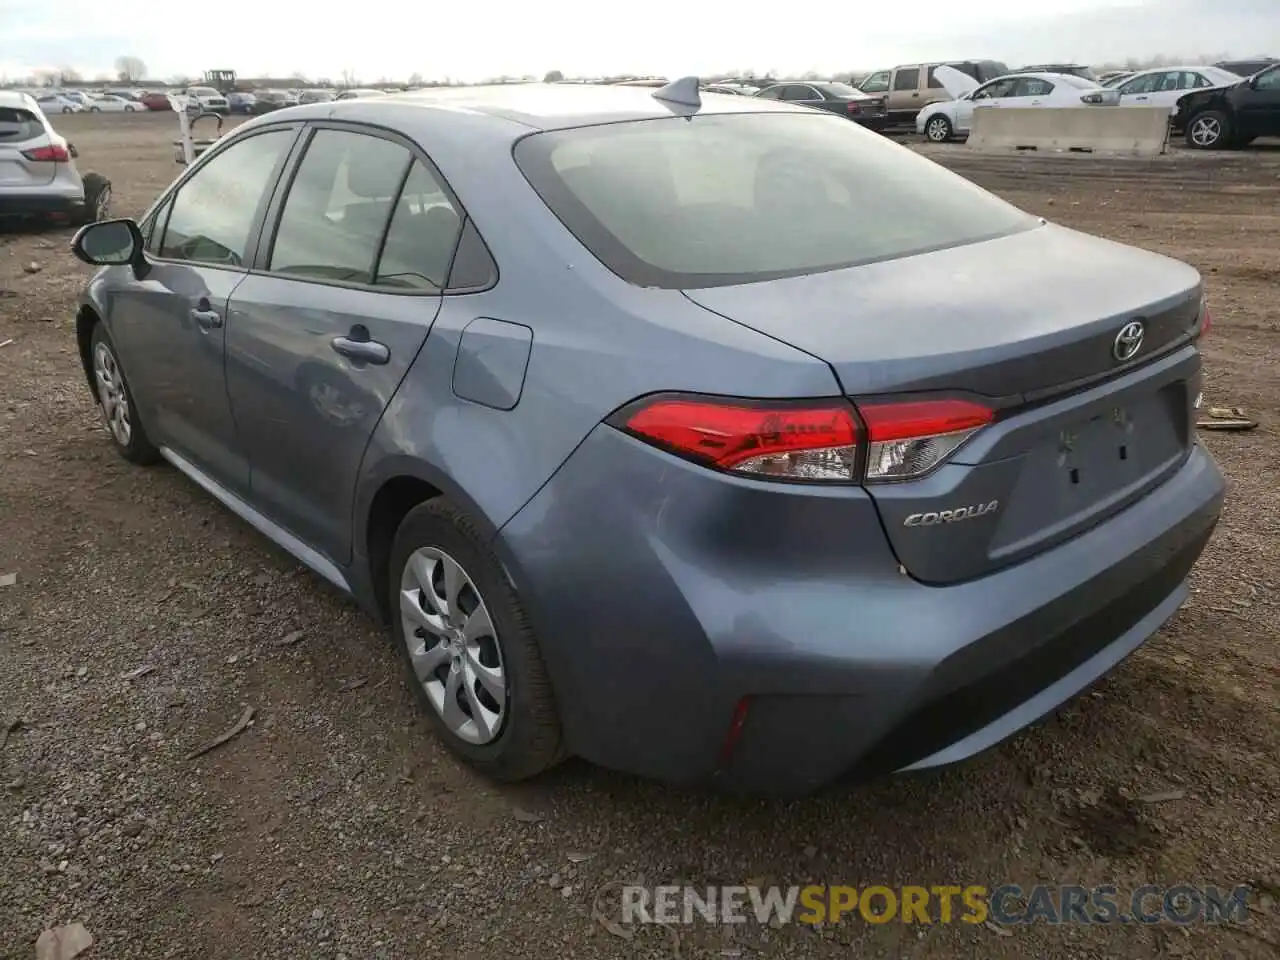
<point x="483" y="38"/>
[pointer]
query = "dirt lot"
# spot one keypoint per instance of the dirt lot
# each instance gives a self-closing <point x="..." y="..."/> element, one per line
<point x="335" y="827"/>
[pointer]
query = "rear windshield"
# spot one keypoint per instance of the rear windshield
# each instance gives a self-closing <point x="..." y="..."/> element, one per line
<point x="725" y="199"/>
<point x="840" y="90"/>
<point x="19" y="126"/>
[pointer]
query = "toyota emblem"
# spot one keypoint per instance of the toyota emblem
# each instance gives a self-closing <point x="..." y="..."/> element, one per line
<point x="1128" y="341"/>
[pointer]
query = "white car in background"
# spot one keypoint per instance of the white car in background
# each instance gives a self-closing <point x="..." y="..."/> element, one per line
<point x="56" y="103"/>
<point x="941" y="121"/>
<point x="1162" y="86"/>
<point x="110" y="103"/>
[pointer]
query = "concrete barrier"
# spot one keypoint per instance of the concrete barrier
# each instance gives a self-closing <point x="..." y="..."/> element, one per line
<point x="1130" y="131"/>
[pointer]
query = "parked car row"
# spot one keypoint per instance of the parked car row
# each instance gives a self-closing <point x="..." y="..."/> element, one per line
<point x="1211" y="106"/>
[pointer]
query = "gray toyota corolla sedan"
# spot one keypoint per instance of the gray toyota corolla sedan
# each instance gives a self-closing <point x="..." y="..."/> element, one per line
<point x="709" y="438"/>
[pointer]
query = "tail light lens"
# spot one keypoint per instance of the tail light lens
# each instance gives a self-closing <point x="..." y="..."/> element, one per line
<point x="812" y="441"/>
<point x="907" y="440"/>
<point x="853" y="108"/>
<point x="55" y="153"/>
<point x="1205" y="322"/>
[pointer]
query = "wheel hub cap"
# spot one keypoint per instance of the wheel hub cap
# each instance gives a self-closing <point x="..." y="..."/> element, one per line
<point x="111" y="394"/>
<point x="453" y="645"/>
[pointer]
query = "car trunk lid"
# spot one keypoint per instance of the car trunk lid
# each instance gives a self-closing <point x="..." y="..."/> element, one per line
<point x="1029" y="325"/>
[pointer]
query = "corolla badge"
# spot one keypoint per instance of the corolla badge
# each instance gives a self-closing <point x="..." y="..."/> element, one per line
<point x="1128" y="341"/>
<point x="934" y="517"/>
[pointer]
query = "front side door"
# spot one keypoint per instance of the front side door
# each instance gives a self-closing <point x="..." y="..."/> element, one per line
<point x="1259" y="107"/>
<point x="988" y="95"/>
<point x="318" y="341"/>
<point x="170" y="327"/>
<point x="1137" y="92"/>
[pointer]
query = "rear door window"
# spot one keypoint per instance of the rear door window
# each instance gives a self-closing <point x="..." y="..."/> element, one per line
<point x="422" y="236"/>
<point x="1032" y="87"/>
<point x="19" y="126"/>
<point x="906" y="79"/>
<point x="339" y="206"/>
<point x="722" y="199"/>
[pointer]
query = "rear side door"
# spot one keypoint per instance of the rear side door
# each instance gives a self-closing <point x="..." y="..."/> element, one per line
<point x="170" y="327"/>
<point x="904" y="93"/>
<point x="22" y="135"/>
<point x="1031" y="92"/>
<point x="347" y="286"/>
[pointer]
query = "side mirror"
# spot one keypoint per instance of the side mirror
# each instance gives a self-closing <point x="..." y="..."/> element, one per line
<point x="110" y="243"/>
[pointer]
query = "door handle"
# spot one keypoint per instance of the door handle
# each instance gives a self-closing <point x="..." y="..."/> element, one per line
<point x="207" y="319"/>
<point x="362" y="350"/>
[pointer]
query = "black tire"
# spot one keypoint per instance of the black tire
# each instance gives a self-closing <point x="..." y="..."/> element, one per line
<point x="937" y="129"/>
<point x="529" y="741"/>
<point x="1209" y="130"/>
<point x="95" y="109"/>
<point x="138" y="449"/>
<point x="97" y="198"/>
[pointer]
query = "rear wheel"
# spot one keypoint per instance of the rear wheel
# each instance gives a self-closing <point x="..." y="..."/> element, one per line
<point x="95" y="109"/>
<point x="116" y="400"/>
<point x="468" y="646"/>
<point x="97" y="198"/>
<point x="1210" y="130"/>
<point x="938" y="129"/>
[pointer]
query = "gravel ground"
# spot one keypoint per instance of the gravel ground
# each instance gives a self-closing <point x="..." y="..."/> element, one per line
<point x="145" y="620"/>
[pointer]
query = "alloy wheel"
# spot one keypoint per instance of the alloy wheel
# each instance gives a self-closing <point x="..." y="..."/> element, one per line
<point x="111" y="394"/>
<point x="103" y="204"/>
<point x="1206" y="131"/>
<point x="937" y="130"/>
<point x="453" y="645"/>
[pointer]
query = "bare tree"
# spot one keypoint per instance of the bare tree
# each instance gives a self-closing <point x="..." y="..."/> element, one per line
<point x="415" y="79"/>
<point x="553" y="76"/>
<point x="46" y="78"/>
<point x="348" y="77"/>
<point x="130" y="69"/>
<point x="68" y="77"/>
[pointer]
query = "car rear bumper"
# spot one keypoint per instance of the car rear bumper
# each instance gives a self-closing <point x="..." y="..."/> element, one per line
<point x="665" y="595"/>
<point x="23" y="204"/>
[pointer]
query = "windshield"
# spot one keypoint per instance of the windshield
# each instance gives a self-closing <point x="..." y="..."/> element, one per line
<point x="205" y="92"/>
<point x="724" y="199"/>
<point x="1220" y="77"/>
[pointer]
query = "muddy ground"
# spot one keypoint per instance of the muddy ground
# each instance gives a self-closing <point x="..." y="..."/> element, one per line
<point x="335" y="827"/>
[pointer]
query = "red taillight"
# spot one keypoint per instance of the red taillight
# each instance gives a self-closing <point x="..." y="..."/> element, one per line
<point x="1206" y="319"/>
<point x="907" y="440"/>
<point x="808" y="441"/>
<point x="853" y="107"/>
<point x="55" y="153"/>
<point x="734" y="734"/>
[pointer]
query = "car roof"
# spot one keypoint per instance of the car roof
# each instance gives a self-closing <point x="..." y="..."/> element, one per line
<point x="15" y="99"/>
<point x="516" y="109"/>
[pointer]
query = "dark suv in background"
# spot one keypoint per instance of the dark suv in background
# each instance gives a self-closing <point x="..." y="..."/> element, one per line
<point x="1234" y="116"/>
